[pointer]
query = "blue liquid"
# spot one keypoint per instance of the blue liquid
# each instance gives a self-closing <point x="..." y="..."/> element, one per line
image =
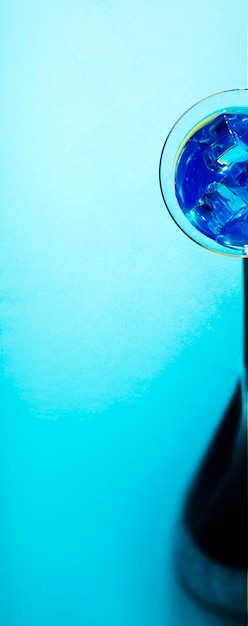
<point x="211" y="178"/>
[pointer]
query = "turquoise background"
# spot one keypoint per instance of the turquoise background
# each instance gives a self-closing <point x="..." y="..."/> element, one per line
<point x="120" y="338"/>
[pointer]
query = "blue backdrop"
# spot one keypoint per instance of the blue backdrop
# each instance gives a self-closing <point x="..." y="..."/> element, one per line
<point x="120" y="338"/>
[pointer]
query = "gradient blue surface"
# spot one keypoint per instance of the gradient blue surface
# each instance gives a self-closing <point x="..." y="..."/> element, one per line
<point x="120" y="338"/>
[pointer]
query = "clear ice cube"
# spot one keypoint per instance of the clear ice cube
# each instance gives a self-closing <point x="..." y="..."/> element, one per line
<point x="235" y="231"/>
<point x="216" y="207"/>
<point x="233" y="155"/>
<point x="239" y="125"/>
<point x="239" y="176"/>
<point x="223" y="147"/>
<point x="203" y="219"/>
<point x="225" y="200"/>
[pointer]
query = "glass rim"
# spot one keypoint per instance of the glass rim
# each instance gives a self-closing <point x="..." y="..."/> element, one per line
<point x="171" y="150"/>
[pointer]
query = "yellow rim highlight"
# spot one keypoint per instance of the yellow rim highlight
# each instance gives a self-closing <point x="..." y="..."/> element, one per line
<point x="194" y="130"/>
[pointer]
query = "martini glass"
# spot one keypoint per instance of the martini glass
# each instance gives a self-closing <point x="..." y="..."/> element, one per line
<point x="204" y="183"/>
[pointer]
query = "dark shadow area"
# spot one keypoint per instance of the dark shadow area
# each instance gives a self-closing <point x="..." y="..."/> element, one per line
<point x="211" y="551"/>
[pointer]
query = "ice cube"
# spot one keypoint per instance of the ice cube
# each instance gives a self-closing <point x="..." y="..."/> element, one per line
<point x="223" y="204"/>
<point x="238" y="123"/>
<point x="238" y="176"/>
<point x="215" y="208"/>
<point x="203" y="219"/>
<point x="234" y="154"/>
<point x="225" y="199"/>
<point x="223" y="148"/>
<point x="235" y="231"/>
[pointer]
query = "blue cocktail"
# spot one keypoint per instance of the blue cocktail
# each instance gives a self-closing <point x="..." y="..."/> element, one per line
<point x="211" y="178"/>
<point x="204" y="175"/>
